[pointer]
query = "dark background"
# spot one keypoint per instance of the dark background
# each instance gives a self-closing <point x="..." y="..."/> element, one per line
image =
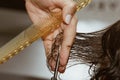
<point x="13" y="4"/>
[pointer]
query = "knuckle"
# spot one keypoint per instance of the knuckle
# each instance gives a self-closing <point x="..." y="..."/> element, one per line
<point x="69" y="46"/>
<point x="73" y="4"/>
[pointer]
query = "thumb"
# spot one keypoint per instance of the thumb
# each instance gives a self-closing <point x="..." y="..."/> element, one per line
<point x="68" y="9"/>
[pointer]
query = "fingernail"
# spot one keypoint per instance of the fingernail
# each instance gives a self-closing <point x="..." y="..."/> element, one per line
<point x="53" y="68"/>
<point x="68" y="19"/>
<point x="62" y="69"/>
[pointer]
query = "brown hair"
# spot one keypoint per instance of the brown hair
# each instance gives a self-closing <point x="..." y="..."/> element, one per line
<point x="101" y="50"/>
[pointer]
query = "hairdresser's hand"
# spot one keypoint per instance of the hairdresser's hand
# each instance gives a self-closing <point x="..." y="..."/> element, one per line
<point x="40" y="9"/>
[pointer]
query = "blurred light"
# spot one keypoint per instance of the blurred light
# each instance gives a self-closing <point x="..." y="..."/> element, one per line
<point x="76" y="72"/>
<point x="90" y="26"/>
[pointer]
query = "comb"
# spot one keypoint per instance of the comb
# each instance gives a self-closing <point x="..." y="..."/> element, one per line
<point x="33" y="33"/>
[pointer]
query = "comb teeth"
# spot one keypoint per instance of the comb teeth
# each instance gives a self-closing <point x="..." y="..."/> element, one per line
<point x="15" y="52"/>
<point x="81" y="3"/>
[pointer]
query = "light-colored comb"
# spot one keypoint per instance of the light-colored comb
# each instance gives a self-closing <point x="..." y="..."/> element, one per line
<point x="33" y="33"/>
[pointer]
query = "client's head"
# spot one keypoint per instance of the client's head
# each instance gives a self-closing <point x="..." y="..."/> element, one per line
<point x="101" y="49"/>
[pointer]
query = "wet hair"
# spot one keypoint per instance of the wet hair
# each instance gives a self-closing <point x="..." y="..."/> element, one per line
<point x="101" y="50"/>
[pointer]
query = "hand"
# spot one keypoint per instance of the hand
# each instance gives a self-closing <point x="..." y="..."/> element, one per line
<point x="40" y="9"/>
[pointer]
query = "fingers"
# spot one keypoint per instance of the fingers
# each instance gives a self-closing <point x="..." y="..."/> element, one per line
<point x="69" y="35"/>
<point x="68" y="11"/>
<point x="48" y="42"/>
<point x="68" y="7"/>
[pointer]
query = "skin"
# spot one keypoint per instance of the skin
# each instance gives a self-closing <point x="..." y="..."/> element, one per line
<point x="40" y="9"/>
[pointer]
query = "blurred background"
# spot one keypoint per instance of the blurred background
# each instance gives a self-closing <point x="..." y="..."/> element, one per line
<point x="30" y="64"/>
